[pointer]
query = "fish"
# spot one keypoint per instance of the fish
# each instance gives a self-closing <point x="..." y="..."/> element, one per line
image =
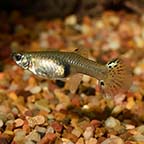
<point x="114" y="76"/>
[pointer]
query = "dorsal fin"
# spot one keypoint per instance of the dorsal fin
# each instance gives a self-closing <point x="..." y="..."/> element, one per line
<point x="83" y="51"/>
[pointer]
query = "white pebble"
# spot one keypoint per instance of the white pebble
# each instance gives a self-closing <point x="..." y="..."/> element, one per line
<point x="1" y="123"/>
<point x="88" y="133"/>
<point x="112" y="122"/>
<point x="113" y="140"/>
<point x="129" y="126"/>
<point x="138" y="70"/>
<point x="35" y="90"/>
<point x="71" y="20"/>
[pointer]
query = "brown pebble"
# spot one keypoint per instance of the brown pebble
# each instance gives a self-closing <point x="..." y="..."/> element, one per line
<point x="57" y="126"/>
<point x="49" y="137"/>
<point x="19" y="136"/>
<point x="113" y="140"/>
<point x="80" y="141"/>
<point x="70" y="136"/>
<point x="19" y="122"/>
<point x="76" y="132"/>
<point x="37" y="120"/>
<point x="33" y="136"/>
<point x="95" y="123"/>
<point x="91" y="141"/>
<point x="75" y="101"/>
<point x="26" y="127"/>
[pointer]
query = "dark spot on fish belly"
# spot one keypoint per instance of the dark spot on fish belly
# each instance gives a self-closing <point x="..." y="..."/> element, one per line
<point x="66" y="70"/>
<point x="60" y="83"/>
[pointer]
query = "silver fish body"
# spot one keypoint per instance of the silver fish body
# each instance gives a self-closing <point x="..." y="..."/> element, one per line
<point x="114" y="77"/>
<point x="57" y="65"/>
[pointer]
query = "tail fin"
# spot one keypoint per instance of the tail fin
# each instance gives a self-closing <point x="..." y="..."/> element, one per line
<point x="118" y="79"/>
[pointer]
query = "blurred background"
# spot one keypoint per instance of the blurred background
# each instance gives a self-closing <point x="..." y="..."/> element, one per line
<point x="11" y="11"/>
<point x="62" y="8"/>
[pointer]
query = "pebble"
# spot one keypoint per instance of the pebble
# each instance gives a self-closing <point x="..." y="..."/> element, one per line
<point x="9" y="124"/>
<point x="18" y="122"/>
<point x="88" y="133"/>
<point x="33" y="136"/>
<point x="66" y="141"/>
<point x="85" y="29"/>
<point x="10" y="116"/>
<point x="37" y="120"/>
<point x="48" y="138"/>
<point x="1" y="123"/>
<point x="99" y="24"/>
<point x="70" y="136"/>
<point x="64" y="100"/>
<point x="44" y="44"/>
<point x="112" y="122"/>
<point x="71" y="20"/>
<point x="140" y="129"/>
<point x="35" y="90"/>
<point x="76" y="132"/>
<point x="113" y="140"/>
<point x="129" y="126"/>
<point x="139" y="41"/>
<point x="130" y="103"/>
<point x="15" y="111"/>
<point x="8" y="132"/>
<point x="117" y="109"/>
<point x="40" y="130"/>
<point x="91" y="141"/>
<point x="19" y="136"/>
<point x="114" y="44"/>
<point x="86" y="107"/>
<point x="42" y="104"/>
<point x="139" y="69"/>
<point x="29" y="142"/>
<point x="26" y="75"/>
<point x="114" y="20"/>
<point x="80" y="141"/>
<point x="50" y="129"/>
<point x="57" y="126"/>
<point x="138" y="138"/>
<point x="99" y="132"/>
<point x="3" y="116"/>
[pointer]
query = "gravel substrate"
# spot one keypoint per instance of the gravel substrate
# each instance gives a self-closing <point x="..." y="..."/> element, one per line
<point x="33" y="110"/>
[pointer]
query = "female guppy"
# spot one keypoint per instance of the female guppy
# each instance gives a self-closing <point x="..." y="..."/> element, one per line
<point x="113" y="77"/>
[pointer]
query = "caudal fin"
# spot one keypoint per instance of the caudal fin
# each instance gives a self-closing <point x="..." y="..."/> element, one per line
<point x="118" y="79"/>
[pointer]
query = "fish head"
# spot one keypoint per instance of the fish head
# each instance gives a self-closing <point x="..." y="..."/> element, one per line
<point x="21" y="59"/>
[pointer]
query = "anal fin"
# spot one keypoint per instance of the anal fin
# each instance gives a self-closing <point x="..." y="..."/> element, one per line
<point x="73" y="82"/>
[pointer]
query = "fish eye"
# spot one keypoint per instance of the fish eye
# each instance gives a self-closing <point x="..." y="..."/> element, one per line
<point x="18" y="57"/>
